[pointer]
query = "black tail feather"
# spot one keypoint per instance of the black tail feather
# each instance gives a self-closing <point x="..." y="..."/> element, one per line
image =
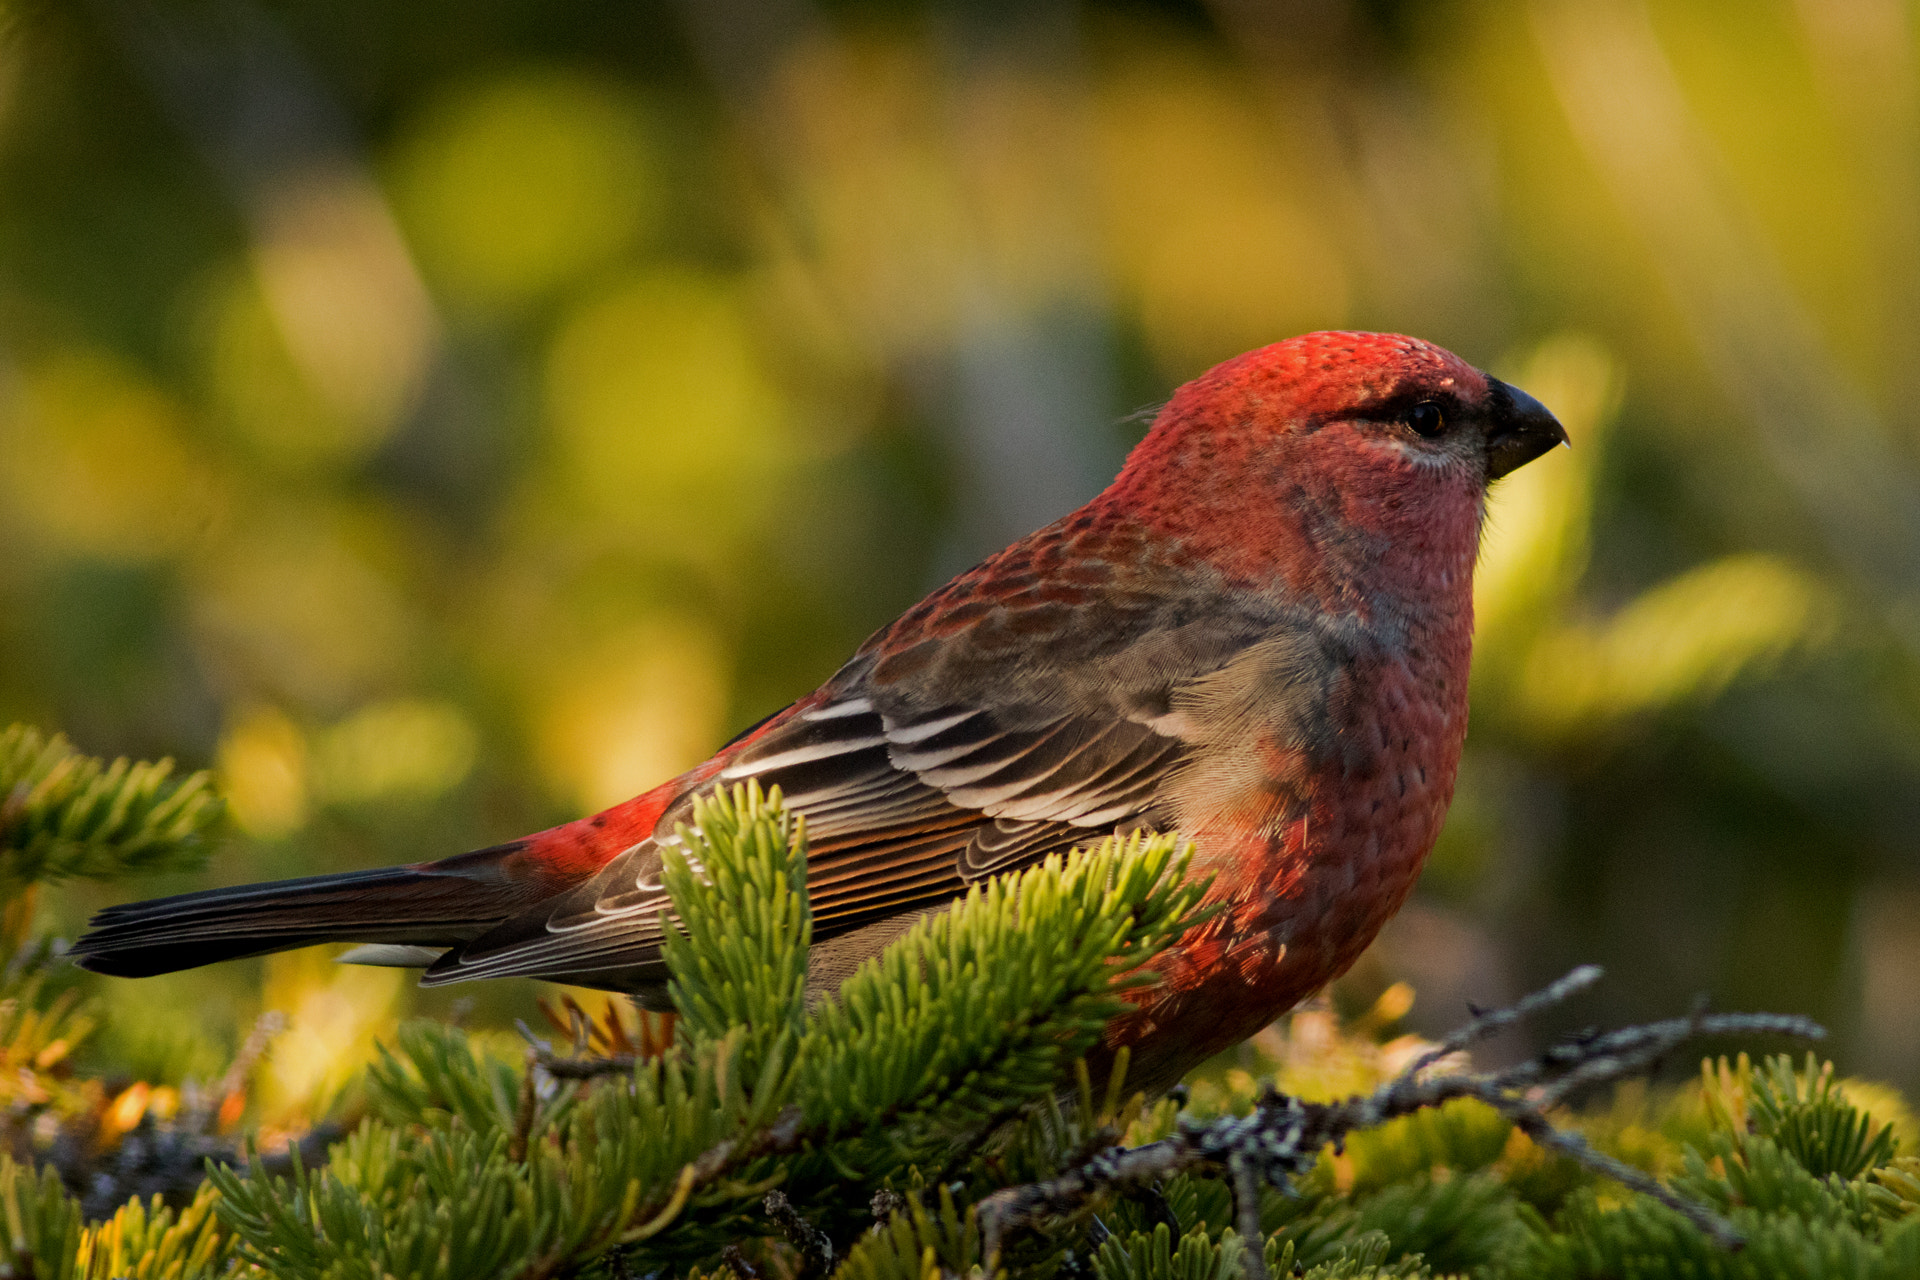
<point x="434" y="908"/>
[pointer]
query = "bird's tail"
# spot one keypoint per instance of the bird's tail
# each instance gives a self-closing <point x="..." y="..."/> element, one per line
<point x="427" y="905"/>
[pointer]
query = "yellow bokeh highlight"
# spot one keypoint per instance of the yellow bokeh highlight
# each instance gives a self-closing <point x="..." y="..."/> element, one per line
<point x="631" y="710"/>
<point x="404" y="748"/>
<point x="97" y="460"/>
<point x="862" y="131"/>
<point x="664" y="421"/>
<point x="262" y="765"/>
<point x="344" y="294"/>
<point x="1024" y="148"/>
<point x="1684" y="640"/>
<point x="1211" y="225"/>
<point x="263" y="397"/>
<point x="334" y="1013"/>
<point x="273" y="774"/>
<point x="304" y="605"/>
<point x="1534" y="544"/>
<point x="318" y="343"/>
<point x="515" y="186"/>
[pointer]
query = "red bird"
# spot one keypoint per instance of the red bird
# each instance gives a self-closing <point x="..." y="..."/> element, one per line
<point x="1258" y="636"/>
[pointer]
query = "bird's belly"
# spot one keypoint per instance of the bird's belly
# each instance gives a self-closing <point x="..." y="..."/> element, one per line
<point x="1307" y="869"/>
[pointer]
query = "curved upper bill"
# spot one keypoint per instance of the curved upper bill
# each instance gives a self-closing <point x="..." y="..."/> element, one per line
<point x="1519" y="431"/>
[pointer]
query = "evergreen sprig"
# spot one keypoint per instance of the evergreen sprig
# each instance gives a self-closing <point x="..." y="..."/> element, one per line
<point x="986" y="1006"/>
<point x="64" y="814"/>
<point x="738" y="881"/>
<point x="1424" y="1204"/>
<point x="475" y="1167"/>
<point x="43" y="1224"/>
<point x="1807" y="1114"/>
<point x="46" y="1235"/>
<point x="913" y="1241"/>
<point x="869" y="1133"/>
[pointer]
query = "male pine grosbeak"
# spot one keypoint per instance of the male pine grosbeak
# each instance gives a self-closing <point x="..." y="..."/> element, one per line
<point x="1257" y="636"/>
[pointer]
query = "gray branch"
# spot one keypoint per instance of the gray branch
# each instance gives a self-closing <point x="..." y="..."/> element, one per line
<point x="1283" y="1136"/>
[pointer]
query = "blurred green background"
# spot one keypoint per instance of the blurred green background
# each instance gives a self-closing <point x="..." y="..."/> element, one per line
<point x="444" y="419"/>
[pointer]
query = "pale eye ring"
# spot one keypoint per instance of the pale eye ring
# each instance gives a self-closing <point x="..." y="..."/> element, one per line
<point x="1427" y="419"/>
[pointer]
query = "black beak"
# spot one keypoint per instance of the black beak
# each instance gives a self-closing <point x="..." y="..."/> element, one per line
<point x="1519" y="430"/>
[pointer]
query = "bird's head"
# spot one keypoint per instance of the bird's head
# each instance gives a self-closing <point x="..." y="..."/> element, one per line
<point x="1336" y="445"/>
<point x="1394" y="399"/>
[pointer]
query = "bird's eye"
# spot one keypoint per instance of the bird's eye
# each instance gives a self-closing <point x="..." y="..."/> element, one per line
<point x="1426" y="419"/>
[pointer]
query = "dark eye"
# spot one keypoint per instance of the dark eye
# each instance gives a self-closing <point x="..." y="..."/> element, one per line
<point x="1426" y="419"/>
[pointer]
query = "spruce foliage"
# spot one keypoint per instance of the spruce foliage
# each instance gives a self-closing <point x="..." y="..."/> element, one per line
<point x="63" y="814"/>
<point x="799" y="1134"/>
<point x="476" y="1167"/>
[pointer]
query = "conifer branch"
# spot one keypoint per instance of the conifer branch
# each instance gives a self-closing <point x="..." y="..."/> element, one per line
<point x="63" y="814"/>
<point x="1283" y="1136"/>
<point x="660" y="1156"/>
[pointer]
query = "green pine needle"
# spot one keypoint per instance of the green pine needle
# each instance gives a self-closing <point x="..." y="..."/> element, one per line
<point x="1810" y="1117"/>
<point x="1153" y="1255"/>
<point x="63" y="814"/>
<point x="986" y="1005"/>
<point x="915" y="1242"/>
<point x="738" y="880"/>
<point x="42" y="1223"/>
<point x="949" y="1066"/>
<point x="147" y="1240"/>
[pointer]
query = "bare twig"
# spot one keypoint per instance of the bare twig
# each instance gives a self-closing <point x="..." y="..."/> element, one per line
<point x="523" y="1113"/>
<point x="815" y="1249"/>
<point x="621" y="1064"/>
<point x="738" y="1264"/>
<point x="1246" y="1213"/>
<point x="230" y="1093"/>
<point x="1283" y="1136"/>
<point x="1487" y="1022"/>
<point x="258" y="1041"/>
<point x="574" y="1068"/>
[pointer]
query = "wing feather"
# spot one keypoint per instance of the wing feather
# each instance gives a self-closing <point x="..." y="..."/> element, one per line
<point x="931" y="760"/>
<point x="892" y="823"/>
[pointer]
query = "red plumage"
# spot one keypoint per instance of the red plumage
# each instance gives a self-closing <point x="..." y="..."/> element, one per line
<point x="1257" y="635"/>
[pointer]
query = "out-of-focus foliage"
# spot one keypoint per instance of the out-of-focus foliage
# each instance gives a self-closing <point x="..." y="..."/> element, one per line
<point x="63" y="814"/>
<point x="86" y="1161"/>
<point x="474" y="1167"/>
<point x="1791" y="1157"/>
<point x="884" y="1112"/>
<point x="439" y="420"/>
<point x="47" y="1237"/>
